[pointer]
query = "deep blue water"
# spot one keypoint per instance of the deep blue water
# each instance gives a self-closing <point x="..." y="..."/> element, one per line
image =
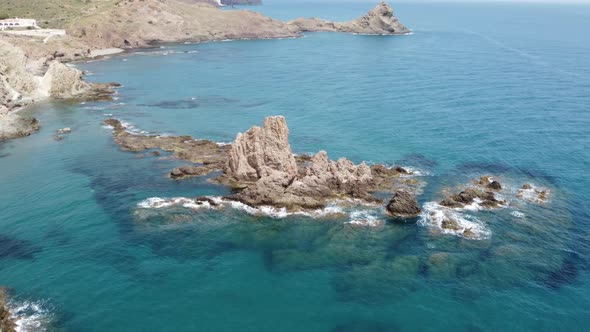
<point x="477" y="89"/>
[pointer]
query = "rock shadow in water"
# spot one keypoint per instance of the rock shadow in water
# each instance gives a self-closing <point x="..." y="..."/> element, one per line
<point x="192" y="103"/>
<point x="15" y="248"/>
<point x="566" y="274"/>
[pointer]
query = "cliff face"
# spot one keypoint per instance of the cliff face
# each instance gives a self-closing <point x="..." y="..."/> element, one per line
<point x="379" y="21"/>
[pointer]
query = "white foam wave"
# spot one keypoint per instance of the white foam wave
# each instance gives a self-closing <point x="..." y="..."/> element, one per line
<point x="364" y="218"/>
<point x="517" y="214"/>
<point x="30" y="316"/>
<point x="269" y="211"/>
<point x="462" y="225"/>
<point x="414" y="172"/>
<point x="160" y="203"/>
<point x="533" y="194"/>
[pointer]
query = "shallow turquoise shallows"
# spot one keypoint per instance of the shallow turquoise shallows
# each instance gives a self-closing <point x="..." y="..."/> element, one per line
<point x="477" y="89"/>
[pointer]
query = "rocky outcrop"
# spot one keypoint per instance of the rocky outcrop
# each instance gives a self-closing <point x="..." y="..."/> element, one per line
<point x="317" y="184"/>
<point x="488" y="182"/>
<point x="261" y="150"/>
<point x="7" y="323"/>
<point x="183" y="147"/>
<point x="14" y="126"/>
<point x="61" y="81"/>
<point x="403" y="204"/>
<point x="379" y="21"/>
<point x="262" y="162"/>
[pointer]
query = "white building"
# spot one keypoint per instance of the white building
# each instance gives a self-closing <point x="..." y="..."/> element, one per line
<point x="18" y="23"/>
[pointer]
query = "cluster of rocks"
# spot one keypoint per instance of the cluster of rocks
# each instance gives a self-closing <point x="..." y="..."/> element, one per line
<point x="482" y="195"/>
<point x="61" y="133"/>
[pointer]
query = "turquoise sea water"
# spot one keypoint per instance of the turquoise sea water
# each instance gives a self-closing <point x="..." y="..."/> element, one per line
<point x="477" y="89"/>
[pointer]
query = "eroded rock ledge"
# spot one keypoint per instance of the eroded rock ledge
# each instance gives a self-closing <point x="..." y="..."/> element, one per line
<point x="210" y="155"/>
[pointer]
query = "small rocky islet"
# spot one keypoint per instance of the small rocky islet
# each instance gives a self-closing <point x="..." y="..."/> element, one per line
<point x="262" y="168"/>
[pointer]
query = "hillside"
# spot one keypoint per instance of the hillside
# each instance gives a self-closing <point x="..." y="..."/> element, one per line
<point x="52" y="13"/>
<point x="62" y="13"/>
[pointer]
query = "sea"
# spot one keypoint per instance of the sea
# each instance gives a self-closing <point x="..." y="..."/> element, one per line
<point x="94" y="238"/>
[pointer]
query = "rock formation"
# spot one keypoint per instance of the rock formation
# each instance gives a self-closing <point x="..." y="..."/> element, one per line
<point x="7" y="323"/>
<point x="258" y="151"/>
<point x="379" y="21"/>
<point x="261" y="162"/>
<point x="403" y="204"/>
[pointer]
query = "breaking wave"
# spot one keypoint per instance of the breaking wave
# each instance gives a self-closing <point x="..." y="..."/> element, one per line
<point x="455" y="223"/>
<point x="30" y="316"/>
<point x="332" y="209"/>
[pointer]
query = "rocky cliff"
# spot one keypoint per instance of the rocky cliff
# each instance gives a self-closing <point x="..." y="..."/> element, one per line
<point x="21" y="84"/>
<point x="379" y="21"/>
